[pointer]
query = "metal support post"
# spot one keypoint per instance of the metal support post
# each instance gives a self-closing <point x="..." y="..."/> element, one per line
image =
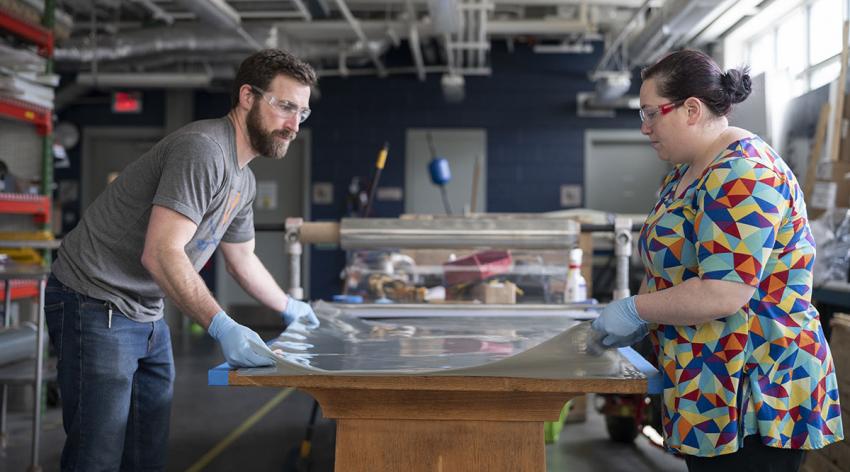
<point x="623" y="252"/>
<point x="294" y="249"/>
<point x="4" y="395"/>
<point x="39" y="378"/>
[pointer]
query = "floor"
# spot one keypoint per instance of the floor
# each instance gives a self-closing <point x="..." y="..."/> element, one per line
<point x="227" y="429"/>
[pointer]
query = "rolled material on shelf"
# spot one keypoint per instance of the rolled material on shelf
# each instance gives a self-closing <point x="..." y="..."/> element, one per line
<point x="17" y="343"/>
<point x="456" y="233"/>
<point x="320" y="232"/>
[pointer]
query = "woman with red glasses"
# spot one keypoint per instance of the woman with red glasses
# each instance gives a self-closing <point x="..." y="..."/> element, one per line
<point x="748" y="376"/>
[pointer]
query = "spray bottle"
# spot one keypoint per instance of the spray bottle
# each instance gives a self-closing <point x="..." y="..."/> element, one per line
<point x="576" y="285"/>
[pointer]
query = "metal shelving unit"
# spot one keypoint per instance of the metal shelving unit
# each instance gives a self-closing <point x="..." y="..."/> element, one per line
<point x="42" y="37"/>
<point x="27" y="280"/>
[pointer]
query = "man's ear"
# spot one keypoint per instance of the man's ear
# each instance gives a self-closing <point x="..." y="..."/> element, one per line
<point x="246" y="96"/>
<point x="695" y="109"/>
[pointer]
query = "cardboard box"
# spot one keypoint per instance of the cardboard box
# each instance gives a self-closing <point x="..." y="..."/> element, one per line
<point x="495" y="293"/>
<point x="844" y="145"/>
<point x="837" y="454"/>
<point x="815" y="461"/>
<point x="839" y="345"/>
<point x="831" y="190"/>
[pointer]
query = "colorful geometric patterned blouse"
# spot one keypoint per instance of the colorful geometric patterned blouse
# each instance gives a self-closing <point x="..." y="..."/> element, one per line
<point x="767" y="368"/>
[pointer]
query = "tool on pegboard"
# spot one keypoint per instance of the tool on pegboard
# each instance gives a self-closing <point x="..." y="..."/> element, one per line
<point x="440" y="172"/>
<point x="379" y="167"/>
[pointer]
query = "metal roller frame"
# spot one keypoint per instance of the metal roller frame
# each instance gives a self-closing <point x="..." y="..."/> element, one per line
<point x="447" y="233"/>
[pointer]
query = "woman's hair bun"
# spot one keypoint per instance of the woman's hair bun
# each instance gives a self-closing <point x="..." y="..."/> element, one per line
<point x="737" y="84"/>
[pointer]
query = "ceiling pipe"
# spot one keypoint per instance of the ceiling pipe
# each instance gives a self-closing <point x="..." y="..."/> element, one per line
<point x="157" y="11"/>
<point x="442" y="69"/>
<point x="554" y="27"/>
<point x="220" y="14"/>
<point x="666" y="26"/>
<point x="413" y="41"/>
<point x="146" y="80"/>
<point x="355" y="26"/>
<point x="325" y="29"/>
<point x="302" y="8"/>
<point x="612" y="48"/>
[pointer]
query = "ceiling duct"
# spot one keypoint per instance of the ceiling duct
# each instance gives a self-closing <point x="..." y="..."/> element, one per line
<point x="214" y="13"/>
<point x="667" y="25"/>
<point x="149" y="41"/>
<point x="611" y="85"/>
<point x="221" y="15"/>
<point x="445" y="16"/>
<point x="148" y="80"/>
<point x="453" y="86"/>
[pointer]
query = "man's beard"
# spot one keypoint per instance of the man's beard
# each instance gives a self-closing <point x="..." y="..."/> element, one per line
<point x="267" y="143"/>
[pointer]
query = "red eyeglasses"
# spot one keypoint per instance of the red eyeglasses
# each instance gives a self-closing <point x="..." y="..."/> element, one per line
<point x="649" y="114"/>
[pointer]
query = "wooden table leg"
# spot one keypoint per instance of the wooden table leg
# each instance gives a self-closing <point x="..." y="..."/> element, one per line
<point x="434" y="445"/>
<point x="439" y="431"/>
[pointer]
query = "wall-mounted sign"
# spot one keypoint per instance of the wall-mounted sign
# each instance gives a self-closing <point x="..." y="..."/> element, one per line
<point x="126" y="102"/>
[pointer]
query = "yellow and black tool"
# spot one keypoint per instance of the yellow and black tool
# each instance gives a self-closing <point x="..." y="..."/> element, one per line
<point x="379" y="167"/>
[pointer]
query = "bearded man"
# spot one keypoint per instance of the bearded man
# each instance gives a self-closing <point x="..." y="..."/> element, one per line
<point x="145" y="238"/>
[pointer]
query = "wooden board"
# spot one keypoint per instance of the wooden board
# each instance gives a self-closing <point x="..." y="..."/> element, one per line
<point x="817" y="149"/>
<point x="839" y="98"/>
<point x="443" y="383"/>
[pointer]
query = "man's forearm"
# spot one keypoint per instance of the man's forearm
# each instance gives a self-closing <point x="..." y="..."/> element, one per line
<point x="255" y="279"/>
<point x="174" y="273"/>
<point x="692" y="302"/>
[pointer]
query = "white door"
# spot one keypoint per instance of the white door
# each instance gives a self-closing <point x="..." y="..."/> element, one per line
<point x="107" y="151"/>
<point x="622" y="173"/>
<point x="461" y="147"/>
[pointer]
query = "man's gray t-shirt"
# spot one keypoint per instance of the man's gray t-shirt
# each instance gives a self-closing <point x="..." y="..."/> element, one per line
<point x="192" y="171"/>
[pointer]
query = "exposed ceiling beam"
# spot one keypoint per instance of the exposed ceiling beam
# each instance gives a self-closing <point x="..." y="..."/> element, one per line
<point x="355" y="25"/>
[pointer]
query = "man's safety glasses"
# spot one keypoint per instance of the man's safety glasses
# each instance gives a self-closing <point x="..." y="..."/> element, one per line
<point x="284" y="108"/>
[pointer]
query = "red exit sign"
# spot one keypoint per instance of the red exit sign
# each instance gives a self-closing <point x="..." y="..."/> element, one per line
<point x="126" y="102"/>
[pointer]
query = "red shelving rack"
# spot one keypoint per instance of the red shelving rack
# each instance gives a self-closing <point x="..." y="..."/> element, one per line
<point x="38" y="35"/>
<point x="26" y="204"/>
<point x="20" y="289"/>
<point x="43" y="38"/>
<point x="27" y="112"/>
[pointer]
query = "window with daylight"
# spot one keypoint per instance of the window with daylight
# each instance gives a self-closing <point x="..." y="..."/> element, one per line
<point x="796" y="42"/>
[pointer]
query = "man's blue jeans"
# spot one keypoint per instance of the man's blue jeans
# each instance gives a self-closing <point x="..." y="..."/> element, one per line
<point x="116" y="380"/>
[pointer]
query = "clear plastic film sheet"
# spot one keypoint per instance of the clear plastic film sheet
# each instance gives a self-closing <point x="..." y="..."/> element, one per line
<point x="547" y="347"/>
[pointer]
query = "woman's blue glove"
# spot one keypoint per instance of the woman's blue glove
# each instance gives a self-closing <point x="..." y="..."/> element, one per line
<point x="297" y="310"/>
<point x="619" y="324"/>
<point x="234" y="341"/>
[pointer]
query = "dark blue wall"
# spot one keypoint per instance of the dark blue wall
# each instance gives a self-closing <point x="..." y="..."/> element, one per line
<point x="95" y="109"/>
<point x="528" y="108"/>
<point x="535" y="141"/>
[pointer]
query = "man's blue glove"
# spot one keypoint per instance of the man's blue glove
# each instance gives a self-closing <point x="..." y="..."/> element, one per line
<point x="619" y="324"/>
<point x="234" y="340"/>
<point x="296" y="310"/>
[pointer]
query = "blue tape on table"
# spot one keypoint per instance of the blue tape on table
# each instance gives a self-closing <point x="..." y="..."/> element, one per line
<point x="217" y="376"/>
<point x="653" y="376"/>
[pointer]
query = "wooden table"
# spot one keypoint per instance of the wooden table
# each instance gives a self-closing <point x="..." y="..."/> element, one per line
<point x="443" y="423"/>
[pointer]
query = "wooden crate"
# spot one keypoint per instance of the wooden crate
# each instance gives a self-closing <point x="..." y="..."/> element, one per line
<point x="839" y="344"/>
<point x="836" y="457"/>
<point x="816" y="462"/>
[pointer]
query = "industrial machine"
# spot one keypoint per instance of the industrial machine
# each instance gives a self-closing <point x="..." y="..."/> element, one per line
<point x="494" y="259"/>
<point x="513" y="263"/>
